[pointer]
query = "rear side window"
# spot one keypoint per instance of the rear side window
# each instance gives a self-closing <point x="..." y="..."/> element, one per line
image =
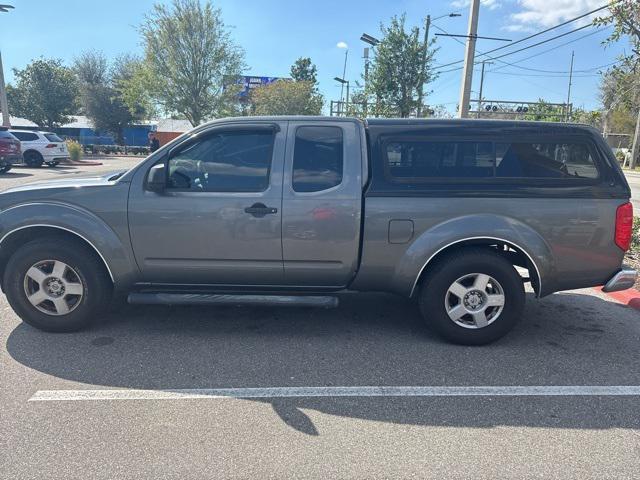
<point x="25" y="136"/>
<point x="410" y="161"/>
<point x="317" y="158"/>
<point x="52" y="137"/>
<point x="418" y="159"/>
<point x="545" y="160"/>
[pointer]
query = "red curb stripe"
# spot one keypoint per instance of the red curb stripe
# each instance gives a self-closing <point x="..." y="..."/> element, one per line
<point x="630" y="297"/>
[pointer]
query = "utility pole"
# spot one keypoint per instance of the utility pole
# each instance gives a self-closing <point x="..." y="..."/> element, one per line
<point x="568" y="113"/>
<point x="424" y="65"/>
<point x="467" y="75"/>
<point x="4" y="106"/>
<point x="481" y="87"/>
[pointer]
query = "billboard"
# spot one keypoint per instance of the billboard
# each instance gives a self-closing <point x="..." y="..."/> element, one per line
<point x="250" y="82"/>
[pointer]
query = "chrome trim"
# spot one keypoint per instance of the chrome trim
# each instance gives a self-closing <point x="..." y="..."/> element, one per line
<point x="508" y="242"/>
<point x="66" y="230"/>
<point x="624" y="279"/>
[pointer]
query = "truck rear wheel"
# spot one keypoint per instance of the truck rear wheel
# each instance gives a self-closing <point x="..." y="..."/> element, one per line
<point x="56" y="285"/>
<point x="472" y="297"/>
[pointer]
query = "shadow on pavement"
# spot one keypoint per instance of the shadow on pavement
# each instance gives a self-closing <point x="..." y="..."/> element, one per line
<point x="372" y="339"/>
<point x="12" y="175"/>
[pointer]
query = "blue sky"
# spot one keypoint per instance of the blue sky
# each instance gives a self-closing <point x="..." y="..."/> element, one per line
<point x="274" y="33"/>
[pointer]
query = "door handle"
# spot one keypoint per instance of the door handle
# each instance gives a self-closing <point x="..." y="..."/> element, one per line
<point x="260" y="210"/>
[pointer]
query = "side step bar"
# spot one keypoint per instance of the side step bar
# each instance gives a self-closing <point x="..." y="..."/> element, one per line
<point x="214" y="299"/>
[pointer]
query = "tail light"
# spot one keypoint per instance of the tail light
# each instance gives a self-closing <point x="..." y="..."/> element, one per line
<point x="624" y="226"/>
<point x="51" y="145"/>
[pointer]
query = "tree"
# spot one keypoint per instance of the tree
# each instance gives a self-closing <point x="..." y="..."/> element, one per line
<point x="45" y="92"/>
<point x="285" y="97"/>
<point x="620" y="97"/>
<point x="396" y="69"/>
<point x="100" y="96"/>
<point x="304" y="71"/>
<point x="625" y="16"/>
<point x="194" y="65"/>
<point x="131" y="79"/>
<point x="543" y="112"/>
<point x="587" y="117"/>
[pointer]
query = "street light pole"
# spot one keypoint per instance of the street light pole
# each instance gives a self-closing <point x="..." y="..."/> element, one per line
<point x="467" y="75"/>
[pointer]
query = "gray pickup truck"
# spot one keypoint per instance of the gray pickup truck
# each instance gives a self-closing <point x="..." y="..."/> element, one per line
<point x="457" y="215"/>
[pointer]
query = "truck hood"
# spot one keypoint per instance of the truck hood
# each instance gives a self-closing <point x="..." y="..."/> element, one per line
<point x="94" y="181"/>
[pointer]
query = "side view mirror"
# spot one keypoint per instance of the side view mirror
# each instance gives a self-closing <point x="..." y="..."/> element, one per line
<point x="157" y="178"/>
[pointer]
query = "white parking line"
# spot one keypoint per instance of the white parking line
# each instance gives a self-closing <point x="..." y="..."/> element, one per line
<point x="364" y="391"/>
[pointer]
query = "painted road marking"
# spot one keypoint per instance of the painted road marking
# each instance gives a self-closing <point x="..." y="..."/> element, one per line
<point x="364" y="391"/>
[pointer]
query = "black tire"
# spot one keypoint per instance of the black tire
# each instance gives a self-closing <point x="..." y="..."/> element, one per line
<point x="33" y="159"/>
<point x="4" y="168"/>
<point x="464" y="264"/>
<point x="91" y="273"/>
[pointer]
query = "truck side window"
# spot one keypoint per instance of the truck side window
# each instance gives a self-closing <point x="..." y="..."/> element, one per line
<point x="413" y="161"/>
<point x="224" y="162"/>
<point x="317" y="158"/>
<point x="426" y="159"/>
<point x="545" y="160"/>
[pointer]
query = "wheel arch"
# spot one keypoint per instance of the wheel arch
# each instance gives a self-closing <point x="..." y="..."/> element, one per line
<point x="487" y="242"/>
<point x="31" y="150"/>
<point x="519" y="243"/>
<point x="11" y="241"/>
<point x="39" y="220"/>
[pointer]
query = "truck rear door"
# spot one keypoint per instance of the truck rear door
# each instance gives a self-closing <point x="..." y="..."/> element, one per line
<point x="321" y="203"/>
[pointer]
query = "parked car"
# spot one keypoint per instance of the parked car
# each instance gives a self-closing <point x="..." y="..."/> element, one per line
<point x="292" y="210"/>
<point x="9" y="150"/>
<point x="40" y="148"/>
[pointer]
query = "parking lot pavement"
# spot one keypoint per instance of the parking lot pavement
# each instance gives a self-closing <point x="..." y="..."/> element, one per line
<point x="634" y="182"/>
<point x="579" y="338"/>
<point x="21" y="175"/>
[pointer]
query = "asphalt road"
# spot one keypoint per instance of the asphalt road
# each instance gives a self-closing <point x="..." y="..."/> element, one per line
<point x="577" y="338"/>
<point x="21" y="175"/>
<point x="634" y="183"/>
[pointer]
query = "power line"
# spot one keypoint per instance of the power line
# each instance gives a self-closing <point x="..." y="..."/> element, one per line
<point x="551" y="28"/>
<point x="515" y="62"/>
<point x="542" y="42"/>
<point x="534" y="35"/>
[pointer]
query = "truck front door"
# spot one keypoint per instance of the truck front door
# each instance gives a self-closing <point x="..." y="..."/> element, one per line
<point x="322" y="201"/>
<point x="218" y="222"/>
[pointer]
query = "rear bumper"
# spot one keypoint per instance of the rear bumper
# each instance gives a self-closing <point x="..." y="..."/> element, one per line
<point x="624" y="279"/>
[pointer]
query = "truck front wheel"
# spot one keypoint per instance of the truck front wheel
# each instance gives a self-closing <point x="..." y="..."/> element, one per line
<point x="56" y="285"/>
<point x="472" y="297"/>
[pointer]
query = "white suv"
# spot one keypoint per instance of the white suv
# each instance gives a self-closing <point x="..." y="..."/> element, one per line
<point x="41" y="147"/>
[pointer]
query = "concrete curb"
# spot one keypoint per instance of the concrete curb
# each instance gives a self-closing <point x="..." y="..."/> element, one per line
<point x="630" y="297"/>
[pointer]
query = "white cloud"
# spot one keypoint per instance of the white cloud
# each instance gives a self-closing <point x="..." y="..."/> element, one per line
<point x="547" y="13"/>
<point x="342" y="45"/>
<point x="490" y="4"/>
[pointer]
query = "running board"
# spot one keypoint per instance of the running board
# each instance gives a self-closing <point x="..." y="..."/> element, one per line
<point x="211" y="299"/>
